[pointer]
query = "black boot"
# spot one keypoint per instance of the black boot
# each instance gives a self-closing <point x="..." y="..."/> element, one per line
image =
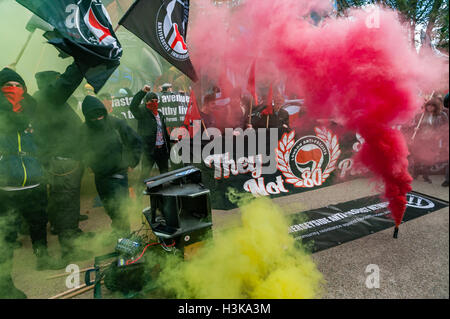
<point x="45" y="262"/>
<point x="7" y="288"/>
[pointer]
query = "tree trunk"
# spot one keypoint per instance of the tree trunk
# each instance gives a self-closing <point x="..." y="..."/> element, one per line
<point x="432" y="20"/>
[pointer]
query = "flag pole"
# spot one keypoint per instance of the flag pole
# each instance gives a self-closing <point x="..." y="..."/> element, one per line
<point x="251" y="110"/>
<point x="267" y="121"/>
<point x="418" y="126"/>
<point x="23" y="48"/>
<point x="421" y="118"/>
<point x="204" y="126"/>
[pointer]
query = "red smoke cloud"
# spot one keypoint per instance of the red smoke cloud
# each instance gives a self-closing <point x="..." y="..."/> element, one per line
<point x="359" y="71"/>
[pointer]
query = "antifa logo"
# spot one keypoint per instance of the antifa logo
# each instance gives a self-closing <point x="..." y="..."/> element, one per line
<point x="171" y="23"/>
<point x="92" y="22"/>
<point x="310" y="160"/>
<point x="311" y="157"/>
<point x="310" y="153"/>
<point x="418" y="202"/>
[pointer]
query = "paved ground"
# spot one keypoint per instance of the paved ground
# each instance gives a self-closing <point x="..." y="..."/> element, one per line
<point x="416" y="265"/>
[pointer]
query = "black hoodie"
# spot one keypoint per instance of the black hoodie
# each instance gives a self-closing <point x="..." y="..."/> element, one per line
<point x="109" y="146"/>
<point x="56" y="123"/>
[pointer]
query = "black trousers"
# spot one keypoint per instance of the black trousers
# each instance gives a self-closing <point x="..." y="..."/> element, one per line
<point x="64" y="178"/>
<point x="160" y="156"/>
<point x="31" y="204"/>
<point x="114" y="193"/>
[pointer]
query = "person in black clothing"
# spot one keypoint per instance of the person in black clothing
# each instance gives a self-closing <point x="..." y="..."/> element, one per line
<point x="109" y="147"/>
<point x="279" y="119"/>
<point x="22" y="190"/>
<point x="152" y="128"/>
<point x="207" y="111"/>
<point x="55" y="123"/>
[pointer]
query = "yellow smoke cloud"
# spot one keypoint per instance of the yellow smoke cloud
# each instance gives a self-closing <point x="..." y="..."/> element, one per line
<point x="257" y="260"/>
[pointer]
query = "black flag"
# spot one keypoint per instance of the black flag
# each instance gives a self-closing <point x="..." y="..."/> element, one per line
<point x="162" y="24"/>
<point x="83" y="30"/>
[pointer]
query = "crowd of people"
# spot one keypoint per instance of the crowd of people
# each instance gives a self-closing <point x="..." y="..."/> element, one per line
<point x="46" y="147"/>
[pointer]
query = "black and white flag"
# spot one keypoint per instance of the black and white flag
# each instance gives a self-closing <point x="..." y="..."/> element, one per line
<point x="162" y="24"/>
<point x="82" y="29"/>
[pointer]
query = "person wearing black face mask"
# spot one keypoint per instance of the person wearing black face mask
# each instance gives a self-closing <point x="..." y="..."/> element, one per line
<point x="109" y="147"/>
<point x="152" y="128"/>
<point x="22" y="190"/>
<point x="55" y="123"/>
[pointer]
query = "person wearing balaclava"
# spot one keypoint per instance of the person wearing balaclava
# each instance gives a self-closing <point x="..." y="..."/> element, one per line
<point x="22" y="190"/>
<point x="56" y="123"/>
<point x="109" y="147"/>
<point x="152" y="128"/>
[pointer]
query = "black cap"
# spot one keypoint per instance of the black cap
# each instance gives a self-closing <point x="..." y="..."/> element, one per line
<point x="8" y="74"/>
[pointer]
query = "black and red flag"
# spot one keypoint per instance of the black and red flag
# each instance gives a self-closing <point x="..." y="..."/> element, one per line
<point x="192" y="115"/>
<point x="162" y="24"/>
<point x="269" y="103"/>
<point x="82" y="29"/>
<point x="251" y="83"/>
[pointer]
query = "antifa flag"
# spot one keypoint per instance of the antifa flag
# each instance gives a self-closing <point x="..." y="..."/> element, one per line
<point x="83" y="30"/>
<point x="162" y="24"/>
<point x="192" y="114"/>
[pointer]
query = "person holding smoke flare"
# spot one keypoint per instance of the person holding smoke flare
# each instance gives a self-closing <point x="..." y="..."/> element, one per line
<point x="152" y="128"/>
<point x="55" y="122"/>
<point x="109" y="147"/>
<point x="22" y="190"/>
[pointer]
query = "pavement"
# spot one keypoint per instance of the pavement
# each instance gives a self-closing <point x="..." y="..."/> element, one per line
<point x="416" y="265"/>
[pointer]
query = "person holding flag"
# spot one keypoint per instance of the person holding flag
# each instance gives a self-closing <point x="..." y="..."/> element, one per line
<point x="273" y="116"/>
<point x="22" y="187"/>
<point x="153" y="131"/>
<point x="55" y="123"/>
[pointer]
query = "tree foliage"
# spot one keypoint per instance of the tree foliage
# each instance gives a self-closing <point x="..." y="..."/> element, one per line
<point x="432" y="15"/>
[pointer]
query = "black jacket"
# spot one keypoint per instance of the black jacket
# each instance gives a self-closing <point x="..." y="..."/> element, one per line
<point x="147" y="125"/>
<point x="56" y="123"/>
<point x="111" y="149"/>
<point x="19" y="165"/>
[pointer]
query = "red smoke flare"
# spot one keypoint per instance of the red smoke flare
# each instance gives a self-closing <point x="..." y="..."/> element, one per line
<point x="360" y="72"/>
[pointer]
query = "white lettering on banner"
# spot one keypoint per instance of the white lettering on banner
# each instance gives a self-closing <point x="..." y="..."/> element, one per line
<point x="123" y="101"/>
<point x="258" y="188"/>
<point x="418" y="202"/>
<point x="251" y="164"/>
<point x="346" y="168"/>
<point x="182" y="110"/>
<point x="337" y="217"/>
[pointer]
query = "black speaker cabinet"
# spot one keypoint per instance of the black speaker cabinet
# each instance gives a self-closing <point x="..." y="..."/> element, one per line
<point x="180" y="207"/>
